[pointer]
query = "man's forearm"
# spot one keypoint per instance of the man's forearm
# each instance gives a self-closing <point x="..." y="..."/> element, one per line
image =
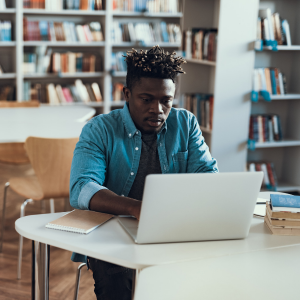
<point x="108" y="202"/>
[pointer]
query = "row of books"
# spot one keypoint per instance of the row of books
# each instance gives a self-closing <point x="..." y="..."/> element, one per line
<point x="61" y="63"/>
<point x="147" y="33"/>
<point x="5" y="31"/>
<point x="118" y="62"/>
<point x="271" y="80"/>
<point x="201" y="105"/>
<point x="270" y="179"/>
<point x="2" y="5"/>
<point x="151" y="6"/>
<point x="57" y="94"/>
<point x="200" y="44"/>
<point x="55" y="5"/>
<point x="270" y="27"/>
<point x="61" y="31"/>
<point x="265" y="128"/>
<point x="7" y="93"/>
<point x="283" y="214"/>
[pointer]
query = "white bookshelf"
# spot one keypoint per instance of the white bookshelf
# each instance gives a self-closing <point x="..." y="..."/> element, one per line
<point x="229" y="78"/>
<point x="276" y="144"/>
<point x="284" y="154"/>
<point x="65" y="12"/>
<point x="8" y="76"/>
<point x="8" y="11"/>
<point x="201" y="62"/>
<point x="104" y="49"/>
<point x="284" y="48"/>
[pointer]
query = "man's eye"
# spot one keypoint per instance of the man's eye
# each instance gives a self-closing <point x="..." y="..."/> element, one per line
<point x="146" y="100"/>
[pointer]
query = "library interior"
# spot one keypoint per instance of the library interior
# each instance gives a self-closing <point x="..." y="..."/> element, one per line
<point x="109" y="106"/>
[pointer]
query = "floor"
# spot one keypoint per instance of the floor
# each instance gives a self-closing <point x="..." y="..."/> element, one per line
<point x="62" y="269"/>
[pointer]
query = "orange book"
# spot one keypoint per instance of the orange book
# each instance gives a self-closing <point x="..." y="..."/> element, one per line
<point x="84" y="4"/>
<point x="268" y="80"/>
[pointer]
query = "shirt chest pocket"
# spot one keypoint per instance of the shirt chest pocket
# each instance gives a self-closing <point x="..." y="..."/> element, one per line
<point x="180" y="161"/>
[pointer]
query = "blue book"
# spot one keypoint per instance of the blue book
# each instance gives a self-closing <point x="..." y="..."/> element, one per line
<point x="164" y="32"/>
<point x="273" y="81"/>
<point x="285" y="203"/>
<point x="76" y="4"/>
<point x="44" y="30"/>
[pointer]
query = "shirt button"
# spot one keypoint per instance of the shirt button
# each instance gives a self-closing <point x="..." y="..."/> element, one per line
<point x="129" y="134"/>
<point x="137" y="132"/>
<point x="160" y="144"/>
<point x="131" y="173"/>
<point x="136" y="148"/>
<point x="122" y="195"/>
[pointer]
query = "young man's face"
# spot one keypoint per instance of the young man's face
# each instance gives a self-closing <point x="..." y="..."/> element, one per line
<point x="150" y="102"/>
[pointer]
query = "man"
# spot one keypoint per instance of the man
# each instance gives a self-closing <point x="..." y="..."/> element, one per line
<point x="117" y="151"/>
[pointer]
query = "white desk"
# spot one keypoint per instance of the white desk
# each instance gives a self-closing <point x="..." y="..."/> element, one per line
<point x="49" y="122"/>
<point x="111" y="243"/>
<point x="259" y="275"/>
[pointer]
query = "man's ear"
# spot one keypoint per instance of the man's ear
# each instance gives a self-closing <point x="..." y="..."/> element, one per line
<point x="127" y="93"/>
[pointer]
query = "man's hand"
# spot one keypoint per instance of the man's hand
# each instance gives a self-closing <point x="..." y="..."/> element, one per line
<point x="108" y="202"/>
<point x="136" y="209"/>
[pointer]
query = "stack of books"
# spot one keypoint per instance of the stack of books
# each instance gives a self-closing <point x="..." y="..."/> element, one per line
<point x="5" y="31"/>
<point x="146" y="33"/>
<point x="265" y="128"/>
<point x="271" y="27"/>
<point x="151" y="6"/>
<point x="61" y="31"/>
<point x="63" y="4"/>
<point x="270" y="179"/>
<point x="200" y="44"/>
<point x="201" y="105"/>
<point x="271" y="80"/>
<point x="283" y="214"/>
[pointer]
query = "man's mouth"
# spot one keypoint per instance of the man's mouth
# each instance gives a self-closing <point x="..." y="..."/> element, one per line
<point x="155" y="122"/>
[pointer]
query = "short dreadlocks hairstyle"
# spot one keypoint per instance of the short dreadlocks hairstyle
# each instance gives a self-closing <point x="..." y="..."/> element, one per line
<point x="153" y="63"/>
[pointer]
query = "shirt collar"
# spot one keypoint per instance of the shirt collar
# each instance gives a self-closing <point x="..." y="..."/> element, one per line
<point x="129" y="124"/>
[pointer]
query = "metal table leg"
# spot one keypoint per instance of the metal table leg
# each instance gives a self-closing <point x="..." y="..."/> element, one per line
<point x="40" y="271"/>
<point x="134" y="281"/>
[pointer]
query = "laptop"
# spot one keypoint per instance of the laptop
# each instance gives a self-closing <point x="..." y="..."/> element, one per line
<point x="195" y="207"/>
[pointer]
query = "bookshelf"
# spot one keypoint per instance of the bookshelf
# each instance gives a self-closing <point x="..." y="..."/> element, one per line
<point x="228" y="79"/>
<point x="284" y="154"/>
<point x="105" y="78"/>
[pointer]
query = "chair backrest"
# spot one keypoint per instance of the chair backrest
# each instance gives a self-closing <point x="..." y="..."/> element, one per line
<point x="51" y="160"/>
<point x="10" y="104"/>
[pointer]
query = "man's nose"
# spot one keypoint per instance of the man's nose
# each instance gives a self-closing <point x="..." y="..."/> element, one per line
<point x="156" y="107"/>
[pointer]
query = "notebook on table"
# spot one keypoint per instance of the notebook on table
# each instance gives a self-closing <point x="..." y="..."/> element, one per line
<point x="80" y="221"/>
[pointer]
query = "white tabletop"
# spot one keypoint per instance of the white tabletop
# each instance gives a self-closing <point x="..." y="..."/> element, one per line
<point x="260" y="275"/>
<point x="111" y="243"/>
<point x="49" y="122"/>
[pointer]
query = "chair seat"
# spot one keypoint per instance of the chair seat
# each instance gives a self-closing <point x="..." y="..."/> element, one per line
<point x="28" y="187"/>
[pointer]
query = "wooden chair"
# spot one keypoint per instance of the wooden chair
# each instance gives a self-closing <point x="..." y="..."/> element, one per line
<point x="51" y="161"/>
<point x="9" y="104"/>
<point x="14" y="153"/>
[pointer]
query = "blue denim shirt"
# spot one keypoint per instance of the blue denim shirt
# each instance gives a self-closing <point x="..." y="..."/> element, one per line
<point x="108" y="153"/>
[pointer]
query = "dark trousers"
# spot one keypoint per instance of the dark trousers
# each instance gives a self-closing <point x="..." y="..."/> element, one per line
<point x="112" y="282"/>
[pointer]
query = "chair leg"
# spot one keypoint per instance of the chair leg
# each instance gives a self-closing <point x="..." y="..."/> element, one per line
<point x="3" y="214"/>
<point x="78" y="280"/>
<point x="52" y="209"/>
<point x="21" y="238"/>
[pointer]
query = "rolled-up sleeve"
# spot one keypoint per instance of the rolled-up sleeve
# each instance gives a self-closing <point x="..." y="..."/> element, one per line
<point x="199" y="159"/>
<point x="88" y="167"/>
